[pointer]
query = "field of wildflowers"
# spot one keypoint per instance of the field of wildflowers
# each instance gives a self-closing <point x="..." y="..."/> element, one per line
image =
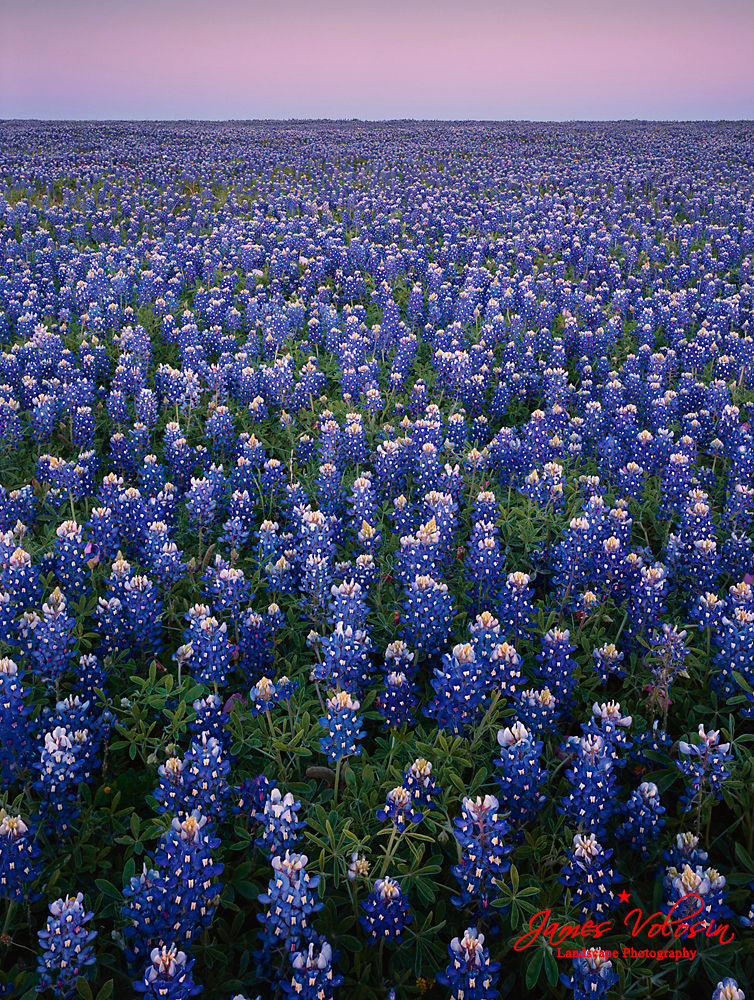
<point x="376" y="560"/>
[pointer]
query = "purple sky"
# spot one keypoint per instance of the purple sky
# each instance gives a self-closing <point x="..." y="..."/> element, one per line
<point x="488" y="59"/>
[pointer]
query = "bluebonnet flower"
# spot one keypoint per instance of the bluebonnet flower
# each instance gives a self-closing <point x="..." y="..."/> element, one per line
<point x="168" y="977"/>
<point x="428" y="614"/>
<point x="686" y="851"/>
<point x="667" y="654"/>
<point x="204" y="498"/>
<point x="171" y="794"/>
<point x="85" y="728"/>
<point x="358" y="867"/>
<point x="653" y="741"/>
<point x="343" y="728"/>
<point x="346" y="659"/>
<point x="142" y="608"/>
<point x="537" y="710"/>
<point x="146" y="914"/>
<point x="316" y="577"/>
<point x="397" y="702"/>
<point x="696" y="892"/>
<point x="205" y="773"/>
<point x="16" y="726"/>
<point x="607" y="662"/>
<point x="734" y="635"/>
<point x="556" y="666"/>
<point x="207" y="648"/>
<point x="590" y="801"/>
<point x="516" y="610"/>
<point x="646" y="599"/>
<point x="420" y="554"/>
<point x="291" y="900"/>
<point x="347" y="605"/>
<point x="251" y="797"/>
<point x="608" y="721"/>
<point x="643" y="818"/>
<point x="72" y="559"/>
<point x="67" y="945"/>
<point x="62" y="767"/>
<point x="520" y="773"/>
<point x="470" y="974"/>
<point x="151" y="476"/>
<point x="220" y="430"/>
<point x="484" y="566"/>
<point x="18" y="857"/>
<point x="399" y="809"/>
<point x="278" y="822"/>
<point x="589" y="876"/>
<point x="91" y="675"/>
<point x="20" y="578"/>
<point x="49" y="638"/>
<point x="226" y="588"/>
<point x="256" y="642"/>
<point x="593" y="975"/>
<point x="402" y="516"/>
<point x="728" y="989"/>
<point x="265" y="694"/>
<point x="459" y="689"/>
<point x="386" y="912"/>
<point x="498" y="662"/>
<point x="184" y="855"/>
<point x="480" y="831"/>
<point x="103" y="530"/>
<point x="211" y="718"/>
<point x="313" y="977"/>
<point x="748" y="920"/>
<point x="235" y="534"/>
<point x="704" y="763"/>
<point x="418" y="781"/>
<point x="362" y="502"/>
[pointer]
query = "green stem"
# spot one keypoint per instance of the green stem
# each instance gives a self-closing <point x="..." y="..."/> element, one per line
<point x="392" y="845"/>
<point x="273" y="735"/>
<point x="622" y="626"/>
<point x="337" y="781"/>
<point x="699" y="815"/>
<point x="8" y="915"/>
<point x="483" y="724"/>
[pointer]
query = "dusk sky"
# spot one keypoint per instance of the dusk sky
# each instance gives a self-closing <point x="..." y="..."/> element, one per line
<point x="483" y="59"/>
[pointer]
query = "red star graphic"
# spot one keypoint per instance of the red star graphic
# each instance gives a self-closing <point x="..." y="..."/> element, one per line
<point x="624" y="896"/>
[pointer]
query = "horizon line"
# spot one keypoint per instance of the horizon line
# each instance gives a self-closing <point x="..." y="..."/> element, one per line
<point x="377" y="121"/>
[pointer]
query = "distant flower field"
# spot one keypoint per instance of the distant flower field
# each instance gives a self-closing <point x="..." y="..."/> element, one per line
<point x="376" y="560"/>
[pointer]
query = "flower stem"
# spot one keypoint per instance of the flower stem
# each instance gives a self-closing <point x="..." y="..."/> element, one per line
<point x="337" y="781"/>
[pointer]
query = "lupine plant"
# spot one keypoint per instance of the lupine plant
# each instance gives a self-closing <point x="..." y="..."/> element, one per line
<point x="376" y="526"/>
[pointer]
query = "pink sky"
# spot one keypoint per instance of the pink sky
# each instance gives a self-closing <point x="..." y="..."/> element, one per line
<point x="539" y="59"/>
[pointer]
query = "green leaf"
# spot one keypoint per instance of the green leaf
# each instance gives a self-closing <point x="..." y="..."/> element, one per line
<point x="534" y="968"/>
<point x="551" y="969"/>
<point x="744" y="857"/>
<point x="83" y="988"/>
<point x="514" y="877"/>
<point x="107" y="888"/>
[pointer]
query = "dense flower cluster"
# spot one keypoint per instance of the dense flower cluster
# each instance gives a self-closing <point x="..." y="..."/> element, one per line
<point x="470" y="974"/>
<point x="67" y="946"/>
<point x="376" y="523"/>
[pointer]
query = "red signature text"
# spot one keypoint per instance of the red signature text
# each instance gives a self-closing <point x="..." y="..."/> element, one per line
<point x="676" y="923"/>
